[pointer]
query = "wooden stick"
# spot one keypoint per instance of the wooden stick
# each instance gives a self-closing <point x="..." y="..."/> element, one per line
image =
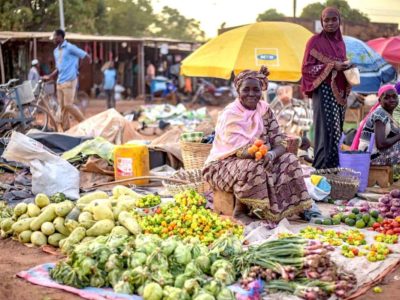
<point x="141" y="178"/>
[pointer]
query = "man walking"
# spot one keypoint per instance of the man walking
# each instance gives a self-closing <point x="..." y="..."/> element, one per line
<point x="67" y="58"/>
<point x="33" y="75"/>
<point x="110" y="79"/>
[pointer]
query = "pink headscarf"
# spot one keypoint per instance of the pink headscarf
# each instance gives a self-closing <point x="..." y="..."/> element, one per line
<point x="383" y="89"/>
<point x="236" y="128"/>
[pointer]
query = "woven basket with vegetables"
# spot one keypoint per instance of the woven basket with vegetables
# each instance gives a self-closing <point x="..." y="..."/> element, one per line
<point x="194" y="178"/>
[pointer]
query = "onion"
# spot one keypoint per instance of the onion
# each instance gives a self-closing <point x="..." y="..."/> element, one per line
<point x="394" y="209"/>
<point x="396" y="201"/>
<point x="383" y="209"/>
<point x="389" y="215"/>
<point x="395" y="193"/>
<point x="385" y="199"/>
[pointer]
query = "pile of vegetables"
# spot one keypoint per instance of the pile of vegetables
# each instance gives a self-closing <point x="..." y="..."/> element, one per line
<point x="353" y="218"/>
<point x="389" y="205"/>
<point x="151" y="267"/>
<point x="386" y="238"/>
<point x="64" y="224"/>
<point x="388" y="226"/>
<point x="148" y="201"/>
<point x="188" y="217"/>
<point x="291" y="262"/>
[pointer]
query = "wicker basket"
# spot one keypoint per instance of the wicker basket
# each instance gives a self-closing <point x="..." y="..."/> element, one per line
<point x="344" y="182"/>
<point x="194" y="154"/>
<point x="195" y="178"/>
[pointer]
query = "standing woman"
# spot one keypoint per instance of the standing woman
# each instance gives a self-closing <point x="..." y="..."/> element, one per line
<point x="323" y="80"/>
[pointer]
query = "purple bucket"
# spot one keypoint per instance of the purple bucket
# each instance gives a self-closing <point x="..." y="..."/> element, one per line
<point x="359" y="162"/>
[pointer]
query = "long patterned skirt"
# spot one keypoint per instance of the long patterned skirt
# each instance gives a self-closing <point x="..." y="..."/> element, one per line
<point x="271" y="194"/>
<point x="328" y="122"/>
<point x="388" y="157"/>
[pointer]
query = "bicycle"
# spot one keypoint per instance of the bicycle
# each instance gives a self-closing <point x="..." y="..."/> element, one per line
<point x="61" y="120"/>
<point x="18" y="110"/>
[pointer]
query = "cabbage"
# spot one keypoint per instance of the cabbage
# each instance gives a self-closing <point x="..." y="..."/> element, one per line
<point x="227" y="246"/>
<point x="163" y="277"/>
<point x="86" y="265"/>
<point x="123" y="287"/>
<point x="204" y="296"/>
<point x="226" y="294"/>
<point x="204" y="263"/>
<point x="115" y="261"/>
<point x="117" y="242"/>
<point x="137" y="259"/>
<point x="182" y="254"/>
<point x="113" y="277"/>
<point x="221" y="264"/>
<point x="213" y="287"/>
<point x="224" y="276"/>
<point x="156" y="260"/>
<point x="168" y="246"/>
<point x="147" y="243"/>
<point x="199" y="249"/>
<point x="192" y="270"/>
<point x="98" y="280"/>
<point x="138" y="275"/>
<point x="180" y="280"/>
<point x="173" y="293"/>
<point x="152" y="291"/>
<point x="191" y="286"/>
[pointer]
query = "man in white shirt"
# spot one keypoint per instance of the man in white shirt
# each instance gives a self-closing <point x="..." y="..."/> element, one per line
<point x="33" y="75"/>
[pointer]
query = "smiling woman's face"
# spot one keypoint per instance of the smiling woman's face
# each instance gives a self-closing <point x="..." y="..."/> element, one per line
<point x="250" y="93"/>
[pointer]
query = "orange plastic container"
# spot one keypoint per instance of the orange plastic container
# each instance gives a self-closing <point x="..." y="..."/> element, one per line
<point x="131" y="161"/>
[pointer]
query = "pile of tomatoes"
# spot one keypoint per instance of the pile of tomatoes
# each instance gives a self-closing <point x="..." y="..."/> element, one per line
<point x="388" y="226"/>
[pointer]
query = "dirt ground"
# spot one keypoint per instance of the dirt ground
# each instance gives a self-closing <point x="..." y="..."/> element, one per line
<point x="15" y="257"/>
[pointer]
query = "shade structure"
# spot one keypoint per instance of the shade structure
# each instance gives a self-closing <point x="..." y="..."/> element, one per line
<point x="278" y="45"/>
<point x="374" y="70"/>
<point x="388" y="48"/>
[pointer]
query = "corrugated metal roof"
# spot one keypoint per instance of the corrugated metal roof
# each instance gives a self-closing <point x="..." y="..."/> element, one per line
<point x="7" y="35"/>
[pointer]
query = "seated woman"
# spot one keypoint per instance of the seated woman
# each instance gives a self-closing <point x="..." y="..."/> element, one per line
<point x="386" y="150"/>
<point x="273" y="188"/>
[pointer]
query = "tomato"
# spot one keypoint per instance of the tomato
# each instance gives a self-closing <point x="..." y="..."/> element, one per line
<point x="355" y="251"/>
<point x="376" y="225"/>
<point x="390" y="232"/>
<point x="396" y="230"/>
<point x="395" y="224"/>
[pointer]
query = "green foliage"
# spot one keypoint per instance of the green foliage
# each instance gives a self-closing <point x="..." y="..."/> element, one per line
<point x="313" y="11"/>
<point x="170" y="23"/>
<point x="116" y="17"/>
<point x="270" y="15"/>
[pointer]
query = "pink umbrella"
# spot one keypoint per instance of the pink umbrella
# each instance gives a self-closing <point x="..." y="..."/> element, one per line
<point x="388" y="48"/>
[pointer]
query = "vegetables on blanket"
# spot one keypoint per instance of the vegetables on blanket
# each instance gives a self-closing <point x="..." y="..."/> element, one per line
<point x="386" y="238"/>
<point x="359" y="217"/>
<point x="139" y="265"/>
<point x="377" y="252"/>
<point x="388" y="226"/>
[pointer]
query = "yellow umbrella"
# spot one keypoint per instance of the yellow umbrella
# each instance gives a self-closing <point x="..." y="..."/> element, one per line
<point x="278" y="45"/>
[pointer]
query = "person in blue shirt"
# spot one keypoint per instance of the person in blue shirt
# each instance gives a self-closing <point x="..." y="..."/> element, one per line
<point x="67" y="60"/>
<point x="110" y="79"/>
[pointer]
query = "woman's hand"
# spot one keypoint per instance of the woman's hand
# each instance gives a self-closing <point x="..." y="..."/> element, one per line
<point x="341" y="66"/>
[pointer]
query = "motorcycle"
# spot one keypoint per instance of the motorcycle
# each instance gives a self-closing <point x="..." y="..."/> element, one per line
<point x="208" y="93"/>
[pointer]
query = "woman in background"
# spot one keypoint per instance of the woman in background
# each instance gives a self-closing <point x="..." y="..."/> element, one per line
<point x="324" y="81"/>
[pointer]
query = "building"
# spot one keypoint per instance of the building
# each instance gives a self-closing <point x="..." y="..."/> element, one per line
<point x="18" y="49"/>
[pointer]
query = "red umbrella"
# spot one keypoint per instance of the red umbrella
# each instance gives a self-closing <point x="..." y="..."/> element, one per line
<point x="388" y="48"/>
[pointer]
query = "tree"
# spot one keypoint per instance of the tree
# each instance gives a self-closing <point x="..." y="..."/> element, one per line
<point x="129" y="17"/>
<point x="313" y="11"/>
<point x="270" y="15"/>
<point x="43" y="15"/>
<point x="170" y="23"/>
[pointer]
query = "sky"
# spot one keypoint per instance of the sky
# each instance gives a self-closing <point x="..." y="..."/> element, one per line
<point x="212" y="13"/>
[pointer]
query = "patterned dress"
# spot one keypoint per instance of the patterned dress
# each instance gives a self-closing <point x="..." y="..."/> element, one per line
<point x="386" y="157"/>
<point x="328" y="122"/>
<point x="272" y="191"/>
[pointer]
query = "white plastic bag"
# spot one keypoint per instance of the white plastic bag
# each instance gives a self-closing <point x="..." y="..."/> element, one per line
<point x="50" y="173"/>
<point x="315" y="192"/>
